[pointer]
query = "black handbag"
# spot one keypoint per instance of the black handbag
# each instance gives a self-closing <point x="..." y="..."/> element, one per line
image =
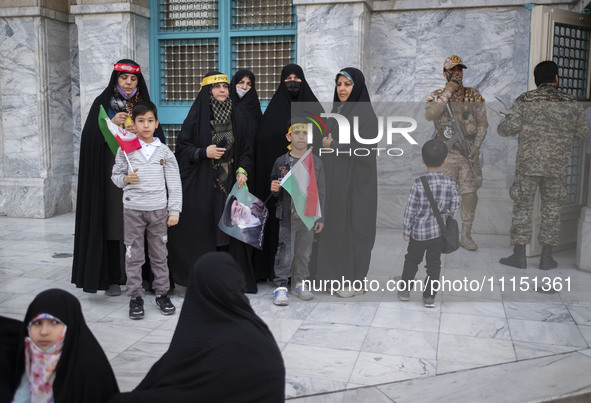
<point x="450" y="229"/>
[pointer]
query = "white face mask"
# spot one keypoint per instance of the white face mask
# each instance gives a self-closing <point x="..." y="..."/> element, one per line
<point x="241" y="92"/>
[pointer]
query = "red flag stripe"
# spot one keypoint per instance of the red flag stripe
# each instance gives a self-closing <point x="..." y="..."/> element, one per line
<point x="312" y="200"/>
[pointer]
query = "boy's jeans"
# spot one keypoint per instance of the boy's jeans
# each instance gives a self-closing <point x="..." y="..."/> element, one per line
<point x="416" y="250"/>
<point x="153" y="224"/>
<point x="294" y="240"/>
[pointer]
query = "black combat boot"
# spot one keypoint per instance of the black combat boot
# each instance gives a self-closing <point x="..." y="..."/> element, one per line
<point x="517" y="259"/>
<point x="546" y="261"/>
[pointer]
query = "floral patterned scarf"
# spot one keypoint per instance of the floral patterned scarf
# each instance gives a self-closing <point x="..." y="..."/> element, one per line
<point x="40" y="364"/>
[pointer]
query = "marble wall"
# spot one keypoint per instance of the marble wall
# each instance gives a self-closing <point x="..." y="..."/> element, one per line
<point x="36" y="168"/>
<point x="402" y="54"/>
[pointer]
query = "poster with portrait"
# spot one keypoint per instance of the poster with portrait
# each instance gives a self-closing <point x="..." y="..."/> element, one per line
<point x="244" y="217"/>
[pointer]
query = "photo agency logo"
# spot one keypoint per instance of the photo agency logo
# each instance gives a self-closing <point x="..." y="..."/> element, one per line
<point x="390" y="133"/>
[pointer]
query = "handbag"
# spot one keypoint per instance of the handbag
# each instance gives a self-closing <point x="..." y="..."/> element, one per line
<point x="450" y="229"/>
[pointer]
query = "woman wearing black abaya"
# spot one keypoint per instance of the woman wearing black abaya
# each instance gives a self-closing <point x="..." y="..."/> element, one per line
<point x="344" y="246"/>
<point x="245" y="99"/>
<point x="270" y="143"/>
<point x="221" y="351"/>
<point x="99" y="206"/>
<point x="213" y="153"/>
<point x="82" y="373"/>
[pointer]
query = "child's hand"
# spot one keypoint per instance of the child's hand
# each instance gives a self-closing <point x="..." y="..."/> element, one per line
<point x="327" y="141"/>
<point x="406" y="238"/>
<point x="131" y="178"/>
<point x="172" y="220"/>
<point x="318" y="227"/>
<point x="275" y="186"/>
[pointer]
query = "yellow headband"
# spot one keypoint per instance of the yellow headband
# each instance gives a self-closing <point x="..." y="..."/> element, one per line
<point x="298" y="127"/>
<point x="218" y="78"/>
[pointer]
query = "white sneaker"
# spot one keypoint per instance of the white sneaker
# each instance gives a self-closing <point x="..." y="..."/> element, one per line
<point x="302" y="292"/>
<point x="281" y="296"/>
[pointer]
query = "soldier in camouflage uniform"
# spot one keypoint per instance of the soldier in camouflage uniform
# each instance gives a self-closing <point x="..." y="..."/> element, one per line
<point x="547" y="122"/>
<point x="468" y="108"/>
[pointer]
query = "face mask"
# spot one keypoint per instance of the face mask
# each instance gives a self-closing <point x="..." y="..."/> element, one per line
<point x="293" y="87"/>
<point x="241" y="92"/>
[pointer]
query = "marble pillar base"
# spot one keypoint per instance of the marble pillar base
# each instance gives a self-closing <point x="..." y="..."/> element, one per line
<point x="583" y="257"/>
<point x="35" y="197"/>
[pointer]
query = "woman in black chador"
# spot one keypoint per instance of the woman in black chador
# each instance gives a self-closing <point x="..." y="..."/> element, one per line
<point x="270" y="143"/>
<point x="245" y="99"/>
<point x="98" y="237"/>
<point x="213" y="153"/>
<point x="221" y="351"/>
<point x="344" y="246"/>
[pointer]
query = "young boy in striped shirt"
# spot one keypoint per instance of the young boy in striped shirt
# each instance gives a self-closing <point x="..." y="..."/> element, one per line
<point x="152" y="200"/>
<point x="421" y="229"/>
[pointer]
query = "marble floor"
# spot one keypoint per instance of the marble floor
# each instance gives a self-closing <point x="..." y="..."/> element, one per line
<point x="495" y="334"/>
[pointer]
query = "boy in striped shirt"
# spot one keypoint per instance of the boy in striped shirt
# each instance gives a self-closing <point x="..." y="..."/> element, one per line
<point x="152" y="200"/>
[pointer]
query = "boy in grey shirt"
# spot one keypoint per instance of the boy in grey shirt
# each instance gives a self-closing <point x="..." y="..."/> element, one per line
<point x="147" y="209"/>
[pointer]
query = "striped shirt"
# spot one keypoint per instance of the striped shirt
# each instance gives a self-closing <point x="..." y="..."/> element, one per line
<point x="157" y="174"/>
<point x="420" y="222"/>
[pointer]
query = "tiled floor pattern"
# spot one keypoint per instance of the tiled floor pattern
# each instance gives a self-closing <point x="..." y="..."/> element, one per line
<point x="476" y="345"/>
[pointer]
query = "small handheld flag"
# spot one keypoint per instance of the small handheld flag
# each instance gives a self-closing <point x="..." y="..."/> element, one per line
<point x="300" y="183"/>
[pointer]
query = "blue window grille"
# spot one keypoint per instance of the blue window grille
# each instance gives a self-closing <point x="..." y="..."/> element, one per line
<point x="189" y="38"/>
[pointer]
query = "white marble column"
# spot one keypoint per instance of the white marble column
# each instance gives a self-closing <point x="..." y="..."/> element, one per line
<point x="105" y="33"/>
<point x="35" y="118"/>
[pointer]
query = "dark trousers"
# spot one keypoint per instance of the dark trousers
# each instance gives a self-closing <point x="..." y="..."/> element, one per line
<point x="414" y="256"/>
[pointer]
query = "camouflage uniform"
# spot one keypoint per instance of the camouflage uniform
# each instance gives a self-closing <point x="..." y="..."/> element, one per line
<point x="547" y="122"/>
<point x="467" y="105"/>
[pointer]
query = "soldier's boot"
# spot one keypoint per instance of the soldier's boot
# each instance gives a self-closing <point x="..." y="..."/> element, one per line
<point x="466" y="240"/>
<point x="517" y="259"/>
<point x="546" y="261"/>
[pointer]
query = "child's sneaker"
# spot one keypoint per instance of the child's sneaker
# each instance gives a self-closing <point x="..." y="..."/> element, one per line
<point x="165" y="305"/>
<point x="404" y="295"/>
<point x="429" y="302"/>
<point x="281" y="296"/>
<point x="302" y="292"/>
<point x="349" y="292"/>
<point x="136" y="308"/>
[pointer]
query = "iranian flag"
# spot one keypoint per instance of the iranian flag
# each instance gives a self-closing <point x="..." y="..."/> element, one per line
<point x="116" y="136"/>
<point x="300" y="183"/>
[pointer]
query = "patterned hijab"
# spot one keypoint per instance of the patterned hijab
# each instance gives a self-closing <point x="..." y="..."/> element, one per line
<point x="41" y="364"/>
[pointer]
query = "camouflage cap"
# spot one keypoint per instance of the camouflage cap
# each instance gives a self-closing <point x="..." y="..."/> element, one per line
<point x="452" y="62"/>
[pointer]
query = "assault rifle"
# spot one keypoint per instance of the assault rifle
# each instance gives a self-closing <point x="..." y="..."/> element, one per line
<point x="457" y="134"/>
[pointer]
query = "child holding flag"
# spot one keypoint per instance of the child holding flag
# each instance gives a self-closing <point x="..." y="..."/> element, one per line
<point x="145" y="175"/>
<point x="301" y="175"/>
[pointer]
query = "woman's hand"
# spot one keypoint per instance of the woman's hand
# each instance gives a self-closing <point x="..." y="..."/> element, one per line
<point x="119" y="118"/>
<point x="241" y="179"/>
<point x="214" y="152"/>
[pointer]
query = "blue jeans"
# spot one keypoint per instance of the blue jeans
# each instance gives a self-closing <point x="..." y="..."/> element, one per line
<point x="293" y="251"/>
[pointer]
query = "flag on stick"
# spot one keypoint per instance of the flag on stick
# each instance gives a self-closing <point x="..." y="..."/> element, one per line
<point x="125" y="139"/>
<point x="109" y="137"/>
<point x="300" y="183"/>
